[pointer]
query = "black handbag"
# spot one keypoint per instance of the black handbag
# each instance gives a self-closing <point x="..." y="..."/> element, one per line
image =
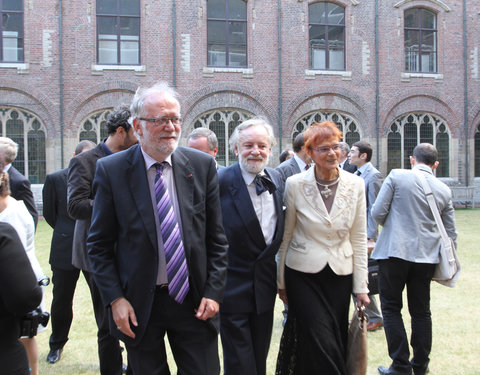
<point x="372" y="276"/>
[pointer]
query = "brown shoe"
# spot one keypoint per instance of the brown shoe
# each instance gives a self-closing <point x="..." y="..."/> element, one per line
<point x="371" y="326"/>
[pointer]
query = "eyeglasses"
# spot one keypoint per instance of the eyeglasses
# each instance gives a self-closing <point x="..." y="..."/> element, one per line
<point x="326" y="149"/>
<point x="162" y="121"/>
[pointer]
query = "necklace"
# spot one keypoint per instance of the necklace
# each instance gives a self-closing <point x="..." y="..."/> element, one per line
<point x="327" y="192"/>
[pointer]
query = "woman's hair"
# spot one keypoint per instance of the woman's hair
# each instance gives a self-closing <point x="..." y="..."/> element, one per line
<point x="4" y="184"/>
<point x="318" y="132"/>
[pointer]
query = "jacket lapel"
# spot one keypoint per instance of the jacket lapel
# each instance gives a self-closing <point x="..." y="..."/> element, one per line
<point x="243" y="203"/>
<point x="312" y="195"/>
<point x="138" y="184"/>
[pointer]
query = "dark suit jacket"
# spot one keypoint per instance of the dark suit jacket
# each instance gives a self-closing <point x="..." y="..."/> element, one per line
<point x="122" y="242"/>
<point x="81" y="172"/>
<point x="288" y="168"/>
<point x="251" y="277"/>
<point x="19" y="292"/>
<point x="55" y="213"/>
<point x="349" y="167"/>
<point x="21" y="190"/>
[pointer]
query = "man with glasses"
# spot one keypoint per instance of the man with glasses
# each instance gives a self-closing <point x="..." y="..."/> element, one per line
<point x="157" y="244"/>
<point x="80" y="202"/>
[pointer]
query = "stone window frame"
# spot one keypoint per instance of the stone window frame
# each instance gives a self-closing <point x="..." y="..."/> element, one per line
<point x="418" y="123"/>
<point x="94" y="126"/>
<point x="20" y="51"/>
<point x="118" y="19"/>
<point x="211" y="68"/>
<point x="231" y="118"/>
<point x="31" y="140"/>
<point x="327" y="25"/>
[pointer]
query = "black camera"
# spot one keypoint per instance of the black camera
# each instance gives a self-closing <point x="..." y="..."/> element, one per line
<point x="31" y="320"/>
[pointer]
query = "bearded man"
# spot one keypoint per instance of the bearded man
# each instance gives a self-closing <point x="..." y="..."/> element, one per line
<point x="251" y="198"/>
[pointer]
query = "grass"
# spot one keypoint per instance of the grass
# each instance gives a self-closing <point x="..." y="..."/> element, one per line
<point x="455" y="313"/>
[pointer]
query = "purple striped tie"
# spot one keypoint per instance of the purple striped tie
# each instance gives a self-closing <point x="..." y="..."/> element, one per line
<point x="177" y="271"/>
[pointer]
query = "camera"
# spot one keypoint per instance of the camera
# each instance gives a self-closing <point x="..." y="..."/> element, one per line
<point x="30" y="322"/>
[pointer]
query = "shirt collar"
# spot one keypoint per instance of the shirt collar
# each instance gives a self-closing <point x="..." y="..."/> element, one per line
<point x="105" y="148"/>
<point x="300" y="162"/>
<point x="363" y="167"/>
<point x="247" y="176"/>
<point x="149" y="161"/>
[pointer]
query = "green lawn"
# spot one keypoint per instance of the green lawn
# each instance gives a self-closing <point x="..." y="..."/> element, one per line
<point x="456" y="323"/>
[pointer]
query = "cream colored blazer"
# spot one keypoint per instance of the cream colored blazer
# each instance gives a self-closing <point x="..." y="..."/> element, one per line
<point x="314" y="238"/>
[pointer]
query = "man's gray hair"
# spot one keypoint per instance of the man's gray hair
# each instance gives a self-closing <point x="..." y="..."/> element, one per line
<point x="9" y="149"/>
<point x="234" y="138"/>
<point x="345" y="147"/>
<point x="137" y="108"/>
<point x="207" y="133"/>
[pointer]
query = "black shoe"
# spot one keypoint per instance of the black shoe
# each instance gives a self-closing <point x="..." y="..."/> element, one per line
<point x="389" y="371"/>
<point x="54" y="355"/>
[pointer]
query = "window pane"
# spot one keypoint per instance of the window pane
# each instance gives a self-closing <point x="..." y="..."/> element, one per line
<point x="336" y="36"/>
<point x="443" y="155"/>
<point x="411" y="18"/>
<point x="13" y="22"/>
<point x="107" y="26"/>
<point x="106" y="6"/>
<point x="318" y="36"/>
<point x="216" y="32"/>
<point x="336" y="14"/>
<point x="409" y="141"/>
<point x="316" y="13"/>
<point x="336" y="59"/>
<point x="428" y="19"/>
<point x="15" y="133"/>
<point x="107" y="51"/>
<point x="216" y="55"/>
<point x="130" y="7"/>
<point x="130" y="26"/>
<point x="428" y="40"/>
<point x="237" y="9"/>
<point x="477" y="153"/>
<point x="394" y="151"/>
<point x="412" y="39"/>
<point x="237" y="32"/>
<point x="12" y="5"/>
<point x="129" y="52"/>
<point x="218" y="127"/>
<point x="36" y="155"/>
<point x="216" y="9"/>
<point x="426" y="132"/>
<point x="237" y="56"/>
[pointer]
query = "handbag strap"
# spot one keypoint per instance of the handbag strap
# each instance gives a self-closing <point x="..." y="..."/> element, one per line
<point x="433" y="206"/>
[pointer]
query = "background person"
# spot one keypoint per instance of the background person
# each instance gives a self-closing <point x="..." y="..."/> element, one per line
<point x="160" y="267"/>
<point x="205" y="140"/>
<point x="64" y="274"/>
<point x="16" y="214"/>
<point x="407" y="250"/>
<point x="285" y="155"/>
<point x="299" y="162"/>
<point x="344" y="162"/>
<point x="323" y="257"/>
<point x="20" y="186"/>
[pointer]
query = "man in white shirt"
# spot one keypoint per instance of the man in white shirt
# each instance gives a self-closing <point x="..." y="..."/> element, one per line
<point x="251" y="198"/>
<point x="298" y="163"/>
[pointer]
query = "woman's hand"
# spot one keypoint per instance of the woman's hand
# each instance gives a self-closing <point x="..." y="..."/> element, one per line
<point x="363" y="299"/>
<point x="282" y="293"/>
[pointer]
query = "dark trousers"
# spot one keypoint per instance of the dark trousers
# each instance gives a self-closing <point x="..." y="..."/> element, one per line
<point x="245" y="341"/>
<point x="194" y="342"/>
<point x="61" y="313"/>
<point x="109" y="350"/>
<point x="394" y="275"/>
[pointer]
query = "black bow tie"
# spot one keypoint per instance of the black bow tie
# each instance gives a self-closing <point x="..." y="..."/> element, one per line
<point x="263" y="183"/>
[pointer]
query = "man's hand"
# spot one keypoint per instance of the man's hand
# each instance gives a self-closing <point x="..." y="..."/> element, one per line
<point x="282" y="293"/>
<point x="207" y="309"/>
<point x="123" y="314"/>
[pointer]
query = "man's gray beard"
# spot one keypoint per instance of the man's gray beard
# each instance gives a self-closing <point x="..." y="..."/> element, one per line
<point x="249" y="169"/>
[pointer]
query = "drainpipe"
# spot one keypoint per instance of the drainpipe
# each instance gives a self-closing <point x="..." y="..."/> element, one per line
<point x="60" y="71"/>
<point x="280" y="107"/>
<point x="174" y="45"/>
<point x="465" y="91"/>
<point x="377" y="87"/>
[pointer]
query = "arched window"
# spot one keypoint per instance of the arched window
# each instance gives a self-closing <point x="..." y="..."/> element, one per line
<point x="27" y="130"/>
<point x="326" y="24"/>
<point x="420" y="38"/>
<point x="344" y="122"/>
<point x="227" y="33"/>
<point x="94" y="127"/>
<point x="409" y="130"/>
<point x="477" y="152"/>
<point x="222" y="122"/>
